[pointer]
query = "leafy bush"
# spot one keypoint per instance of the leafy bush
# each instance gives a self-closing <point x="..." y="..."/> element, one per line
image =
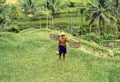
<point x="91" y="37"/>
<point x="13" y="28"/>
<point x="76" y="31"/>
<point x="109" y="36"/>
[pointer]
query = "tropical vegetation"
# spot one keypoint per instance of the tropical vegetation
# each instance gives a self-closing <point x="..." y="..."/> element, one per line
<point x="27" y="53"/>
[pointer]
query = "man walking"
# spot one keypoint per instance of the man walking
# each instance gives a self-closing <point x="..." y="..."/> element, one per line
<point x="62" y="46"/>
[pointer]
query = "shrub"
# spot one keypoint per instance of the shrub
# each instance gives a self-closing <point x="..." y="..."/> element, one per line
<point x="76" y="30"/>
<point x="91" y="37"/>
<point x="109" y="36"/>
<point x="13" y="28"/>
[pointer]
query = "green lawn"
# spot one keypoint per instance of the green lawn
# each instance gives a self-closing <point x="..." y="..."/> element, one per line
<point x="29" y="56"/>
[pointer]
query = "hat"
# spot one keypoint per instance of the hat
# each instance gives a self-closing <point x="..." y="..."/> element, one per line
<point x="62" y="33"/>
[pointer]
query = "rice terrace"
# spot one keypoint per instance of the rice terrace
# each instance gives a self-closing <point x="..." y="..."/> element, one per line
<point x="59" y="41"/>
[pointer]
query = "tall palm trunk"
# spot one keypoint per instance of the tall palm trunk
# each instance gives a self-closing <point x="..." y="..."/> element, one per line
<point x="53" y="11"/>
<point x="100" y="26"/>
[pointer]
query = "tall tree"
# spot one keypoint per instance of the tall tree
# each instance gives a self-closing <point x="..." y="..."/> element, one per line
<point x="55" y="5"/>
<point x="28" y="7"/>
<point x="100" y="11"/>
<point x="115" y="11"/>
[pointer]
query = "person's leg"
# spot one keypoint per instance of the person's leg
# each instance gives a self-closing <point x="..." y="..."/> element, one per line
<point x="60" y="52"/>
<point x="63" y="56"/>
<point x="64" y="52"/>
<point x="59" y="56"/>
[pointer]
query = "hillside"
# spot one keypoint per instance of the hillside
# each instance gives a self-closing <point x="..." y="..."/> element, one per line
<point x="29" y="56"/>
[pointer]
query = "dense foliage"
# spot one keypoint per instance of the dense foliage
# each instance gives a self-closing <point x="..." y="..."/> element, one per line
<point x="100" y="16"/>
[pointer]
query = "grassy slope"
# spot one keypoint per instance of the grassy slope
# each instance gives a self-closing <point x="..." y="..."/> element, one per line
<point x="30" y="57"/>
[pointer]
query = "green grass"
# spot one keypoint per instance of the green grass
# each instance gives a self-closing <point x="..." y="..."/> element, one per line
<point x="65" y="20"/>
<point x="29" y="56"/>
<point x="56" y="21"/>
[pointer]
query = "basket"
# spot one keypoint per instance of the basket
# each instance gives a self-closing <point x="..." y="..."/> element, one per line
<point x="54" y="36"/>
<point x="74" y="43"/>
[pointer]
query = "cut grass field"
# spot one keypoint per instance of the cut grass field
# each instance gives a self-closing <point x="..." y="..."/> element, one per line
<point x="29" y="56"/>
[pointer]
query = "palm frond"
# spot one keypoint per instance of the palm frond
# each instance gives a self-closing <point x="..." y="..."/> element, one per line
<point x="117" y="3"/>
<point x="87" y="17"/>
<point x="104" y="18"/>
<point x="107" y="3"/>
<point x="94" y="16"/>
<point x="91" y="5"/>
<point x="101" y="3"/>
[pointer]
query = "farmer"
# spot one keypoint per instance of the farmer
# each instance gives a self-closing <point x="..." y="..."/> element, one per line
<point x="62" y="46"/>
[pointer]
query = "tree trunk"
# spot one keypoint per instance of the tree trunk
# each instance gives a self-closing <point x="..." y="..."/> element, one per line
<point x="90" y="29"/>
<point x="101" y="25"/>
<point x="99" y="29"/>
<point x="53" y="11"/>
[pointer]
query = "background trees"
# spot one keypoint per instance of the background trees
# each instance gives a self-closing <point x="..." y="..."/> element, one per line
<point x="4" y="15"/>
<point x="103" y="15"/>
<point x="115" y="14"/>
<point x="55" y="6"/>
<point x="100" y="11"/>
<point x="28" y="7"/>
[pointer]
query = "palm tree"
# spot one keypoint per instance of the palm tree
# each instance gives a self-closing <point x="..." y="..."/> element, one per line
<point x="55" y="5"/>
<point x="115" y="15"/>
<point x="29" y="7"/>
<point x="100" y="10"/>
<point x="51" y="5"/>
